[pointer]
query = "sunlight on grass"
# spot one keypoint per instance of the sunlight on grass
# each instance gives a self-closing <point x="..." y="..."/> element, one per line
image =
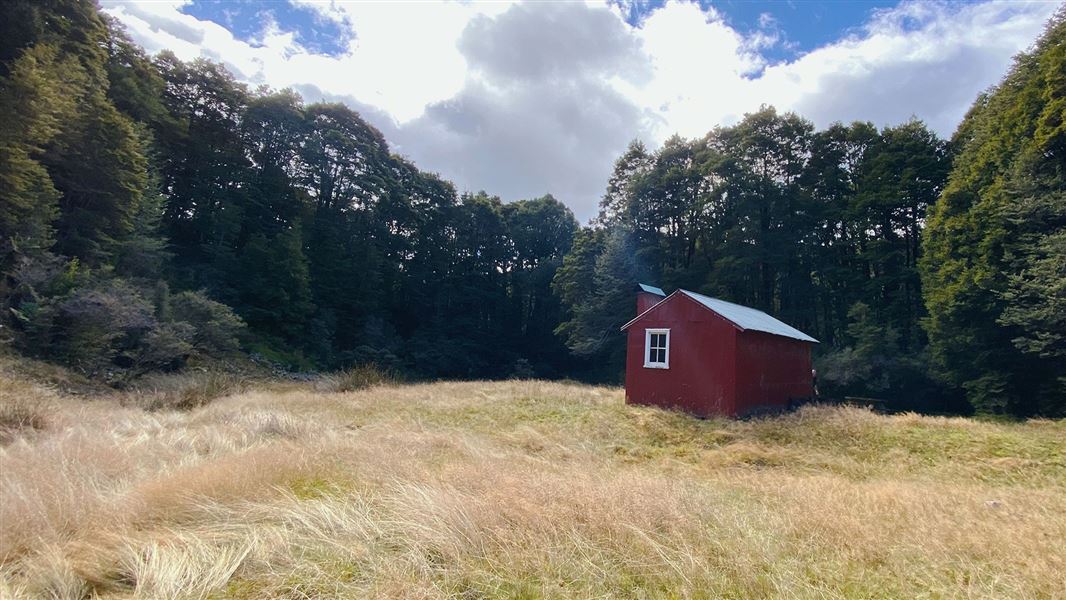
<point x="520" y="489"/>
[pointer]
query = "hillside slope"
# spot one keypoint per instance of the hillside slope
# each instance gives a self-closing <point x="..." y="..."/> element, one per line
<point x="517" y="489"/>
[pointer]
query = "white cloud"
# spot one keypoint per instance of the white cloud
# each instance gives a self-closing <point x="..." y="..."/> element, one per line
<point x="700" y="68"/>
<point x="404" y="56"/>
<point x="401" y="58"/>
<point x="525" y="99"/>
<point x="922" y="59"/>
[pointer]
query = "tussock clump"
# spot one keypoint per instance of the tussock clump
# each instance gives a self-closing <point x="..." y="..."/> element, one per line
<point x="15" y="368"/>
<point x="18" y="418"/>
<point x="185" y="391"/>
<point x="354" y="379"/>
<point x="180" y="565"/>
<point x="24" y="408"/>
<point x="522" y="489"/>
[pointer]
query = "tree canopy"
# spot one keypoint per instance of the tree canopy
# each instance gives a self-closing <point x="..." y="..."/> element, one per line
<point x="994" y="270"/>
<point x="155" y="211"/>
<point x="155" y="178"/>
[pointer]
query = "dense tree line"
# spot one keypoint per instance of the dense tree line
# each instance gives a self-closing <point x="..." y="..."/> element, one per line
<point x="155" y="212"/>
<point x="995" y="262"/>
<point x="151" y="205"/>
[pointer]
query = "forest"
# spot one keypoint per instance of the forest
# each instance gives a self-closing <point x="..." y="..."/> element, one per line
<point x="157" y="214"/>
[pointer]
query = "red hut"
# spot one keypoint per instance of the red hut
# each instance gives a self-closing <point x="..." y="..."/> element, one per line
<point x="713" y="358"/>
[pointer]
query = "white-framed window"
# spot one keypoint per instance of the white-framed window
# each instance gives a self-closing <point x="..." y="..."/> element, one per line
<point x="657" y="348"/>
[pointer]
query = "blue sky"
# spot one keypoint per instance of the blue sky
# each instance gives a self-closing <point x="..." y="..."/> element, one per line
<point x="247" y="19"/>
<point x="525" y="98"/>
<point x="802" y="24"/>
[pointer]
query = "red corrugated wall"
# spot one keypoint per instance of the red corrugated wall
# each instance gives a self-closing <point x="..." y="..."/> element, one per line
<point x="702" y="374"/>
<point x="771" y="371"/>
<point x="715" y="368"/>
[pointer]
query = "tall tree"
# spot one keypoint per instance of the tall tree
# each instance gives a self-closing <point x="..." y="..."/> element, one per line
<point x="599" y="305"/>
<point x="987" y="243"/>
<point x="618" y="203"/>
<point x="541" y="232"/>
<point x="204" y="167"/>
<point x="903" y="173"/>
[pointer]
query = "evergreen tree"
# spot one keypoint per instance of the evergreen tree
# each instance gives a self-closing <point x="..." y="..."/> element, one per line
<point x="770" y="213"/>
<point x="274" y="294"/>
<point x="33" y="100"/>
<point x="203" y="166"/>
<point x="541" y="233"/>
<point x="987" y="242"/>
<point x="598" y="288"/>
<point x="618" y="202"/>
<point x="902" y="174"/>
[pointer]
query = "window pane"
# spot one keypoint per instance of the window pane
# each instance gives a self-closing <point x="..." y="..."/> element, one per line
<point x="657" y="346"/>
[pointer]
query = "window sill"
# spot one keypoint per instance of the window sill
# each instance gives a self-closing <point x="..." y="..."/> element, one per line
<point x="656" y="366"/>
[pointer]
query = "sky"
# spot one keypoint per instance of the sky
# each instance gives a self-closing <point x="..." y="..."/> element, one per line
<point x="528" y="98"/>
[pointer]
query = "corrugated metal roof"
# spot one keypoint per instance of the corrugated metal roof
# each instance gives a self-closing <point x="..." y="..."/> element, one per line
<point x="652" y="289"/>
<point x="749" y="318"/>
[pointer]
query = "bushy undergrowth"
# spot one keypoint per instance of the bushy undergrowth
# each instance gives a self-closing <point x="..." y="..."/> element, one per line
<point x="519" y="489"/>
<point x="112" y="328"/>
<point x="354" y="378"/>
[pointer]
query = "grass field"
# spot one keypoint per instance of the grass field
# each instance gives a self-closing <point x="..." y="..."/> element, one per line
<point x="515" y="490"/>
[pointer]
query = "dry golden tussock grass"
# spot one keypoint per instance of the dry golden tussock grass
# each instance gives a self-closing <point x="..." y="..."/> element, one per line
<point x="517" y="490"/>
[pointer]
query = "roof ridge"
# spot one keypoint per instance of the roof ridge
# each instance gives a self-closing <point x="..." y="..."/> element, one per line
<point x="746" y="319"/>
<point x="727" y="302"/>
<point x="775" y="327"/>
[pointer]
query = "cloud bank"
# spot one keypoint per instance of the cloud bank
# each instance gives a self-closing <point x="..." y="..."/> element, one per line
<point x="530" y="98"/>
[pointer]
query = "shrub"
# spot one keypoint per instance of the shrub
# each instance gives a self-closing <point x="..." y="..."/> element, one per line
<point x="36" y="285"/>
<point x="355" y="378"/>
<point x="217" y="329"/>
<point x="95" y="327"/>
<point x="109" y="325"/>
<point x="273" y="355"/>
<point x="523" y="369"/>
<point x="91" y="321"/>
<point x="106" y="327"/>
<point x="167" y="347"/>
